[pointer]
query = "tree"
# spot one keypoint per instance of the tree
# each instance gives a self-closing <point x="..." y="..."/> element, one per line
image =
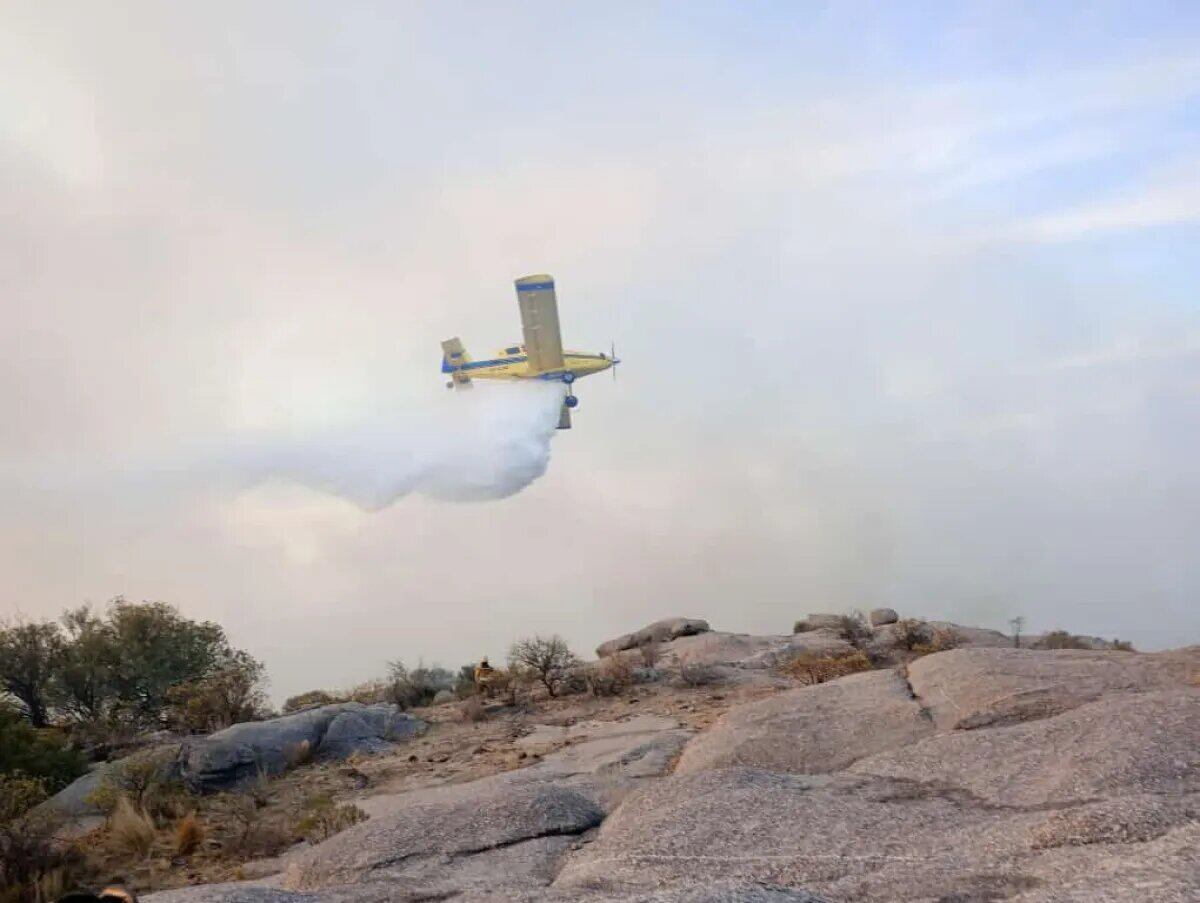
<point x="39" y="754"/>
<point x="230" y="694"/>
<point x="418" y="686"/>
<point x="83" y="680"/>
<point x="157" y="648"/>
<point x="546" y="659"/>
<point x="29" y="655"/>
<point x="1017" y="624"/>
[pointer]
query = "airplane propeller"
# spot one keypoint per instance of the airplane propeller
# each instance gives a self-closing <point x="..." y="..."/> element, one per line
<point x="615" y="361"/>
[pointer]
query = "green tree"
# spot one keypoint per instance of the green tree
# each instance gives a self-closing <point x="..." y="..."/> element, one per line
<point x="41" y="754"/>
<point x="230" y="694"/>
<point x="155" y="648"/>
<point x="29" y="655"/>
<point x="83" y="680"/>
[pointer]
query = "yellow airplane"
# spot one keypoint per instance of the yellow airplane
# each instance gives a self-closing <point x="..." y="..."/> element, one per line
<point x="540" y="357"/>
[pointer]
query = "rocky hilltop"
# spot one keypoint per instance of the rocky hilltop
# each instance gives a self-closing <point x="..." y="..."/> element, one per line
<point x="954" y="768"/>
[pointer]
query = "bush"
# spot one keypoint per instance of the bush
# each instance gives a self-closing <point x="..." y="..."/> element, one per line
<point x="418" y="686"/>
<point x="812" y="668"/>
<point x="543" y="659"/>
<point x="1122" y="646"/>
<point x="801" y="626"/>
<point x="370" y="692"/>
<point x="1060" y="639"/>
<point x="464" y="682"/>
<point x="321" y="817"/>
<point x="148" y="782"/>
<point x="854" y="628"/>
<point x="650" y="652"/>
<point x="229" y="695"/>
<point x="609" y="676"/>
<point x="697" y="674"/>
<point x="308" y="700"/>
<point x="472" y="710"/>
<point x="940" y="640"/>
<point x="42" y="754"/>
<point x="34" y="864"/>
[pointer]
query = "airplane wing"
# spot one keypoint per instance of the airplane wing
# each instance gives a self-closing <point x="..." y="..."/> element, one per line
<point x="539" y="320"/>
<point x="564" y="419"/>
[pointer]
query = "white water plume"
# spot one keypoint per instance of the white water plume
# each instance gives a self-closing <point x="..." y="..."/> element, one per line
<point x="486" y="443"/>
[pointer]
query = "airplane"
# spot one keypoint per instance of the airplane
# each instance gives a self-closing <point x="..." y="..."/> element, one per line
<point x="541" y="356"/>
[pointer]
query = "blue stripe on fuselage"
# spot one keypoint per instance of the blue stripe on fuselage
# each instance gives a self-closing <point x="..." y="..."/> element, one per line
<point x="535" y="286"/>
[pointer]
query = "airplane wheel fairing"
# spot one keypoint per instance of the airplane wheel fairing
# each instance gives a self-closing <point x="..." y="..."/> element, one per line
<point x="568" y="378"/>
<point x="571" y="401"/>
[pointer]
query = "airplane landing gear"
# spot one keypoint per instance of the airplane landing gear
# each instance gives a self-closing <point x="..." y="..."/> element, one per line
<point x="568" y="378"/>
<point x="571" y="401"/>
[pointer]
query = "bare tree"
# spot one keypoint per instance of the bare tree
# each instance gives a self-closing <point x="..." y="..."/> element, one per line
<point x="545" y="659"/>
<point x="1017" y="624"/>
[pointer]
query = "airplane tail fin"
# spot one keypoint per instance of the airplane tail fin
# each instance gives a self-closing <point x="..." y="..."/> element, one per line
<point x="454" y="356"/>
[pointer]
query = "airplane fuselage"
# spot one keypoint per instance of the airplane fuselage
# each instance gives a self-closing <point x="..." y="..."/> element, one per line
<point x="513" y="363"/>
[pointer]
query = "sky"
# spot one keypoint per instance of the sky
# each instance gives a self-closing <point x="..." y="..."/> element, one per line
<point x="905" y="296"/>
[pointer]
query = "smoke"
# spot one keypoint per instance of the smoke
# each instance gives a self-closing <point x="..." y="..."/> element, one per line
<point x="487" y="443"/>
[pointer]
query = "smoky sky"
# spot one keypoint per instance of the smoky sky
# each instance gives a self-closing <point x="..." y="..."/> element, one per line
<point x="905" y="299"/>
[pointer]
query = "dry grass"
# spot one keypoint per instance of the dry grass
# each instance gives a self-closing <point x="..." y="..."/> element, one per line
<point x="130" y="829"/>
<point x="1060" y="639"/>
<point x="812" y="668"/>
<point x="650" y="653"/>
<point x="472" y="710"/>
<point x="693" y="673"/>
<point x="321" y="818"/>
<point x="189" y="835"/>
<point x="609" y="676"/>
<point x="940" y="640"/>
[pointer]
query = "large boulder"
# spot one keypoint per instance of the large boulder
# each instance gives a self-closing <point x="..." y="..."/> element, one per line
<point x="1124" y="743"/>
<point x="815" y="729"/>
<point x="976" y="687"/>
<point x="242" y="752"/>
<point x="659" y="632"/>
<point x="842" y="836"/>
<point x="449" y="840"/>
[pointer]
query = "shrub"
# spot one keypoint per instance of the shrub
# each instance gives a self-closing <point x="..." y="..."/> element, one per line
<point x="464" y="682"/>
<point x="229" y="695"/>
<point x="321" y="817"/>
<point x="148" y="782"/>
<point x="307" y="700"/>
<point x="694" y="673"/>
<point x="650" y="652"/>
<point x="1060" y="639"/>
<point x="245" y="830"/>
<point x="543" y="659"/>
<point x="1122" y="646"/>
<point x="130" y="828"/>
<point x="854" y="628"/>
<point x="189" y="835"/>
<point x="813" y="668"/>
<point x="472" y="710"/>
<point x="34" y="864"/>
<point x="801" y="626"/>
<point x="609" y="676"/>
<point x="940" y="639"/>
<point x="418" y="686"/>
<point x="43" y="754"/>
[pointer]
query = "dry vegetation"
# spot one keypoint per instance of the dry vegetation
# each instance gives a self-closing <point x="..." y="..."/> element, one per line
<point x="813" y="668"/>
